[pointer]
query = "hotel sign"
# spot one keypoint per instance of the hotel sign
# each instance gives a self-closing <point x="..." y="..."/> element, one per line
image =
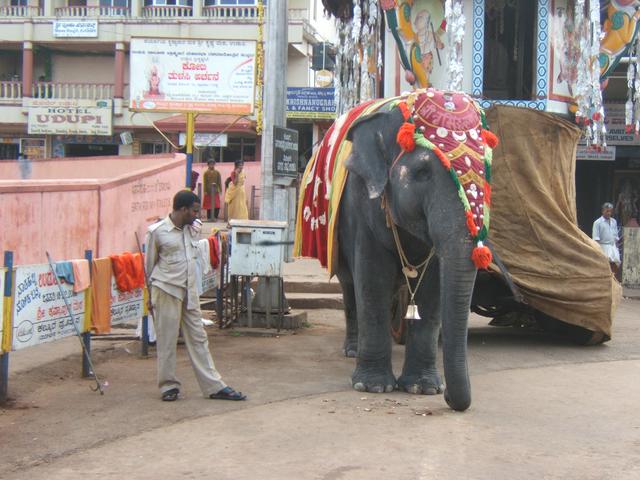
<point x="70" y="117"/>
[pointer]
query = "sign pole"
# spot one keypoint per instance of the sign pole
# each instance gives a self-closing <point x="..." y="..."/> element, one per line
<point x="191" y="127"/>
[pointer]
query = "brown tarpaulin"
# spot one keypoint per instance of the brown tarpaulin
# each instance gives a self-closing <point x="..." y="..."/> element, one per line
<point x="559" y="270"/>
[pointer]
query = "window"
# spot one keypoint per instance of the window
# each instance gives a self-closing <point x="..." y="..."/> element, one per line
<point x="19" y="3"/>
<point x="162" y="3"/>
<point x="509" y="49"/>
<point x="237" y="149"/>
<point x="231" y="3"/>
<point x="150" y="148"/>
<point x="114" y="3"/>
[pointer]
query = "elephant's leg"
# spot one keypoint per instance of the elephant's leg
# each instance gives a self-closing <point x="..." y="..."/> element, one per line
<point x="374" y="279"/>
<point x="350" y="348"/>
<point x="420" y="374"/>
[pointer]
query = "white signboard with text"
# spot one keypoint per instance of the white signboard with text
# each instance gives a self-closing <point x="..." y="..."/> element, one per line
<point x="70" y="117"/>
<point x="206" y="139"/>
<point x="39" y="311"/>
<point x="215" y="76"/>
<point x="126" y="306"/>
<point x="75" y="28"/>
<point x="585" y="153"/>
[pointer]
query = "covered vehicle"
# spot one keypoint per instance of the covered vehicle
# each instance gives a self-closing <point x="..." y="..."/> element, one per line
<point x="546" y="270"/>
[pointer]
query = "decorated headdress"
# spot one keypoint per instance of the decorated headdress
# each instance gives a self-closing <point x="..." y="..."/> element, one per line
<point x="453" y="126"/>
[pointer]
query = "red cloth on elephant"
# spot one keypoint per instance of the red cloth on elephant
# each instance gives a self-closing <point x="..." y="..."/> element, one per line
<point x="313" y="213"/>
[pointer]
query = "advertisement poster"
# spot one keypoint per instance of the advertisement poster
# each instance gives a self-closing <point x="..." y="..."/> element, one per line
<point x="126" y="306"/>
<point x="311" y="103"/>
<point x="172" y="75"/>
<point x="70" y="117"/>
<point x="39" y="311"/>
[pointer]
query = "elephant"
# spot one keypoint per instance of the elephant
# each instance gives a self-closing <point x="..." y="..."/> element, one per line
<point x="400" y="200"/>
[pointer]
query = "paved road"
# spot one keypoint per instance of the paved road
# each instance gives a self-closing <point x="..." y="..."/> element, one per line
<point x="541" y="409"/>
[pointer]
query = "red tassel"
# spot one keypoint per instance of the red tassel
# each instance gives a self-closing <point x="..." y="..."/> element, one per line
<point x="471" y="225"/>
<point x="405" y="110"/>
<point x="489" y="138"/>
<point x="405" y="137"/>
<point x="481" y="257"/>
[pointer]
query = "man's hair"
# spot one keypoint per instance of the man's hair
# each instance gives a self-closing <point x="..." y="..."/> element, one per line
<point x="184" y="198"/>
<point x="607" y="205"/>
<point x="211" y="160"/>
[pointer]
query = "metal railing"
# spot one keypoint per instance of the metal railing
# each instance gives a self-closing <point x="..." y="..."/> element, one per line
<point x="92" y="11"/>
<point x="235" y="13"/>
<point x="77" y="91"/>
<point x="20" y="11"/>
<point x="164" y="11"/>
<point x="11" y="91"/>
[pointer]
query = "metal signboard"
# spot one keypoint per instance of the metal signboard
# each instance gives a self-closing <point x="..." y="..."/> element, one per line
<point x="586" y="153"/>
<point x="311" y="103"/>
<point x="70" y="117"/>
<point x="285" y="152"/>
<point x="172" y="75"/>
<point x="126" y="306"/>
<point x="75" y="28"/>
<point x="206" y="139"/>
<point x="39" y="311"/>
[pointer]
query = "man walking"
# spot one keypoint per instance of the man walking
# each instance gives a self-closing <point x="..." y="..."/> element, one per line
<point x="212" y="198"/>
<point x="605" y="232"/>
<point x="171" y="265"/>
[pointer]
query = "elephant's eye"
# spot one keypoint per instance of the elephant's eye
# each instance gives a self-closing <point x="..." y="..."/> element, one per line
<point x="422" y="171"/>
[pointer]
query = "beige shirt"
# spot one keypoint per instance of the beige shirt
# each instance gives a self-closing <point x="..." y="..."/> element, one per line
<point x="171" y="255"/>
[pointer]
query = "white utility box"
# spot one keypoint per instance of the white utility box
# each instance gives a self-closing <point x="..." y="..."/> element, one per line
<point x="257" y="247"/>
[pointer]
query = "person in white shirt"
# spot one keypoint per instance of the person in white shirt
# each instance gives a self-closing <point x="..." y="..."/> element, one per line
<point x="605" y="232"/>
<point x="171" y="256"/>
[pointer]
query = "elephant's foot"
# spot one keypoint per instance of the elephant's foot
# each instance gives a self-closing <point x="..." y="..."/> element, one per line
<point x="374" y="380"/>
<point x="350" y="348"/>
<point x="421" y="384"/>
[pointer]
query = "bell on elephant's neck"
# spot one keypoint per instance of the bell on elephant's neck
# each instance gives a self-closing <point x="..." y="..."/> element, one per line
<point x="412" y="312"/>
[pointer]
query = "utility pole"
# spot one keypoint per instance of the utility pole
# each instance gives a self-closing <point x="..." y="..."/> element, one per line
<point x="275" y="192"/>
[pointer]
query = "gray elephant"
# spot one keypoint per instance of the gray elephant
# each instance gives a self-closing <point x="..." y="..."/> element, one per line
<point x="415" y="190"/>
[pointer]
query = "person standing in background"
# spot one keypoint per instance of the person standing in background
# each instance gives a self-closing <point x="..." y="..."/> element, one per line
<point x="235" y="197"/>
<point x="605" y="232"/>
<point x="211" y="201"/>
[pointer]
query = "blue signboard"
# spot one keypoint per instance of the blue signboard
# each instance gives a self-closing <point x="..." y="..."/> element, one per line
<point x="310" y="102"/>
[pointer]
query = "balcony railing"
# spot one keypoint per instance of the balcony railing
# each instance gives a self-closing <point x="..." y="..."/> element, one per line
<point x="10" y="91"/>
<point x="156" y="11"/>
<point x="76" y="91"/>
<point x="20" y="11"/>
<point x="221" y="12"/>
<point x="94" y="11"/>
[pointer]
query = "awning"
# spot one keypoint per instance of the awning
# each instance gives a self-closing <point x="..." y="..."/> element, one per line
<point x="208" y="123"/>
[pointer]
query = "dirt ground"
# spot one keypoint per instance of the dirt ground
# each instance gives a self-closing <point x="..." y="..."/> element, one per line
<point x="542" y="407"/>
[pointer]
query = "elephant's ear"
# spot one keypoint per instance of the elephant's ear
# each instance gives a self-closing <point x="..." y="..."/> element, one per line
<point x="374" y="148"/>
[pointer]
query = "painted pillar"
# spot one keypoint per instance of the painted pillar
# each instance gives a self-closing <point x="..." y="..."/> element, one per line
<point x="118" y="89"/>
<point x="27" y="69"/>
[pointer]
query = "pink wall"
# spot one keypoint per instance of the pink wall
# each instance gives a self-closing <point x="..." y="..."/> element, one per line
<point x="68" y="215"/>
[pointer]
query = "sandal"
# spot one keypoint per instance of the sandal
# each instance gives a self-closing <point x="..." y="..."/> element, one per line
<point x="227" y="393"/>
<point x="170" y="395"/>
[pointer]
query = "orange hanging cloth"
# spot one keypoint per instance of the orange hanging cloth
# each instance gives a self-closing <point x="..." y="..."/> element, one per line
<point x="128" y="271"/>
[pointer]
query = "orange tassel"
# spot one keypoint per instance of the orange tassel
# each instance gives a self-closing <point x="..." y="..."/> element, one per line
<point x="405" y="137"/>
<point x="481" y="257"/>
<point x="405" y="110"/>
<point x="443" y="158"/>
<point x="487" y="194"/>
<point x="471" y="225"/>
<point x="489" y="138"/>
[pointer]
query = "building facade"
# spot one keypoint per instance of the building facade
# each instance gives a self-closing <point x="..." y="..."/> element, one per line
<point x="65" y="66"/>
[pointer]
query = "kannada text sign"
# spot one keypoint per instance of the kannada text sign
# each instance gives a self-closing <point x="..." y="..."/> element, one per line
<point x="214" y="76"/>
<point x="39" y="311"/>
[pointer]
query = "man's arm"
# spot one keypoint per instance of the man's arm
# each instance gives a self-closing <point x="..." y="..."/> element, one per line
<point x="151" y="253"/>
<point x="595" y="234"/>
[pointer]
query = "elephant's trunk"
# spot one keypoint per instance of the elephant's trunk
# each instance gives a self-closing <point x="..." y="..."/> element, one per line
<point x="457" y="276"/>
